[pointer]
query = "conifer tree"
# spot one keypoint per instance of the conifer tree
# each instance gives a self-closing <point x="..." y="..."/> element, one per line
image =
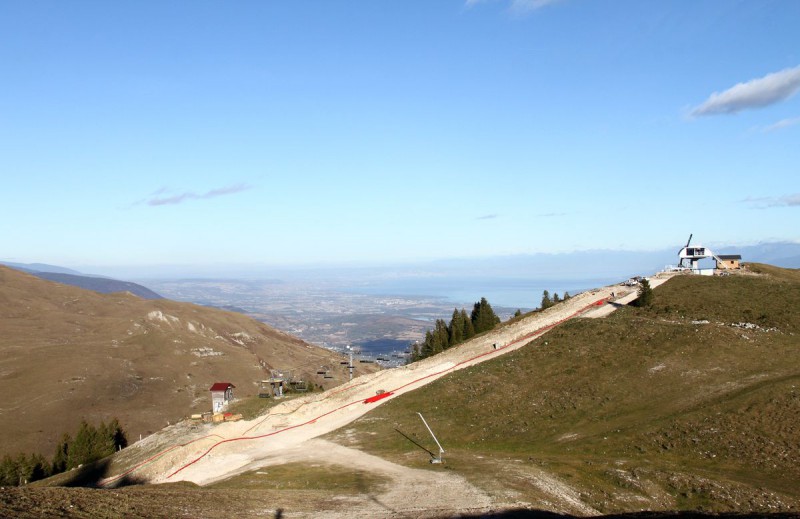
<point x="645" y="298"/>
<point x="456" y="328"/>
<point x="24" y="469"/>
<point x="82" y="448"/>
<point x="39" y="468"/>
<point x="104" y="442"/>
<point x="60" y="458"/>
<point x="440" y="336"/>
<point x="416" y="352"/>
<point x="556" y="299"/>
<point x="91" y="444"/>
<point x="469" y="329"/>
<point x="427" y="345"/>
<point x="483" y="317"/>
<point x="546" y="301"/>
<point x="118" y="435"/>
<point x="8" y="472"/>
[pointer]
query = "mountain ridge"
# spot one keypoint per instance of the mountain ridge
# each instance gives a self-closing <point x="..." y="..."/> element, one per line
<point x="66" y="276"/>
<point x="68" y="354"/>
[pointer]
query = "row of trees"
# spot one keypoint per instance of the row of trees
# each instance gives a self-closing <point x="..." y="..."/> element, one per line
<point x="90" y="444"/>
<point x="548" y="301"/>
<point x="460" y="328"/>
<point x="463" y="327"/>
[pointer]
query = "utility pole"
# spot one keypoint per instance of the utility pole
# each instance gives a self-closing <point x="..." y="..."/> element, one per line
<point x="350" y="366"/>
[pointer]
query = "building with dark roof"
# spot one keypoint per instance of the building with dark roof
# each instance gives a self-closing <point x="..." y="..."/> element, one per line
<point x="729" y="261"/>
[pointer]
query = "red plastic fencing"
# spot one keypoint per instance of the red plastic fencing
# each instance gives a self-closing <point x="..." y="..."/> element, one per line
<point x="378" y="397"/>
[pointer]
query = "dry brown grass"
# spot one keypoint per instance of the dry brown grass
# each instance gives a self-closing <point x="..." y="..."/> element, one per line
<point x="68" y="354"/>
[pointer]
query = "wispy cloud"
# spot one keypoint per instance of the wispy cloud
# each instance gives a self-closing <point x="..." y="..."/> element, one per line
<point x="550" y="215"/>
<point x="487" y="217"/>
<point x="156" y="199"/>
<point x="756" y="93"/>
<point x="792" y="200"/>
<point x="780" y="125"/>
<point x="522" y="6"/>
<point x="518" y="6"/>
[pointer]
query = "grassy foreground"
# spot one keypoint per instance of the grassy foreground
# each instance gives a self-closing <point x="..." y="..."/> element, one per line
<point x="691" y="404"/>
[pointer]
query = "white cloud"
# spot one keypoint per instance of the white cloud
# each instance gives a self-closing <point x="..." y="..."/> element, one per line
<point x="189" y="195"/>
<point x="789" y="200"/>
<point x="792" y="200"/>
<point x="756" y="93"/>
<point x="519" y="6"/>
<point x="783" y="123"/>
<point x="530" y="5"/>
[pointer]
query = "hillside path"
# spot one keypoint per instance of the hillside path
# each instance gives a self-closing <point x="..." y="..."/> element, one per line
<point x="222" y="451"/>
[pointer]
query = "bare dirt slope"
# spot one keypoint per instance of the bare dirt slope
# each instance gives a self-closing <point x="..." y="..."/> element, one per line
<point x="409" y="492"/>
<point x="68" y="354"/>
<point x="208" y="455"/>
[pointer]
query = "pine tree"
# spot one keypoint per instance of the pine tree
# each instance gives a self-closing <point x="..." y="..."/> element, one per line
<point x="416" y="352"/>
<point x="556" y="299"/>
<point x="483" y="317"/>
<point x="518" y="313"/>
<point x="566" y="296"/>
<point x="427" y="345"/>
<point x="546" y="301"/>
<point x="82" y="448"/>
<point x="61" y="457"/>
<point x="8" y="472"/>
<point x="645" y="298"/>
<point x="24" y="469"/>
<point x="103" y="443"/>
<point x="118" y="435"/>
<point x="39" y="468"/>
<point x="456" y="328"/>
<point x="469" y="330"/>
<point x="440" y="336"/>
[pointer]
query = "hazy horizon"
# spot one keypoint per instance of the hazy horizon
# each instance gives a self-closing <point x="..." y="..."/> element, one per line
<point x="576" y="265"/>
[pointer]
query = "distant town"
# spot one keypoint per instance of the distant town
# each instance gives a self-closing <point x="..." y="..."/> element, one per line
<point x="323" y="315"/>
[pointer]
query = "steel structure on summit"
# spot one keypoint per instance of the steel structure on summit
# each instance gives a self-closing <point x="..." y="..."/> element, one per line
<point x="693" y="254"/>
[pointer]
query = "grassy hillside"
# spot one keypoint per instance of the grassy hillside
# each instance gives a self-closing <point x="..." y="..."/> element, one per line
<point x="693" y="403"/>
<point x="68" y="354"/>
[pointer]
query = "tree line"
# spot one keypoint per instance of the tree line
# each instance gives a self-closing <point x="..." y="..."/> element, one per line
<point x="463" y="327"/>
<point x="548" y="301"/>
<point x="90" y="444"/>
<point x="460" y="328"/>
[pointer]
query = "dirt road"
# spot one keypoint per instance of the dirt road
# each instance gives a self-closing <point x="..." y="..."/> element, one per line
<point x="411" y="492"/>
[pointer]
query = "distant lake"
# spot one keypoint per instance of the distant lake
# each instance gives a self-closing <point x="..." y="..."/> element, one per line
<point x="464" y="292"/>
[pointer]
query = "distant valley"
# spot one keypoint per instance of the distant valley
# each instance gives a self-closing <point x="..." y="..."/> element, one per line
<point x="395" y="304"/>
<point x="327" y="314"/>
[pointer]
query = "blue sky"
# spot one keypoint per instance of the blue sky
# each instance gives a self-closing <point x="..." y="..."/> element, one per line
<point x="298" y="132"/>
